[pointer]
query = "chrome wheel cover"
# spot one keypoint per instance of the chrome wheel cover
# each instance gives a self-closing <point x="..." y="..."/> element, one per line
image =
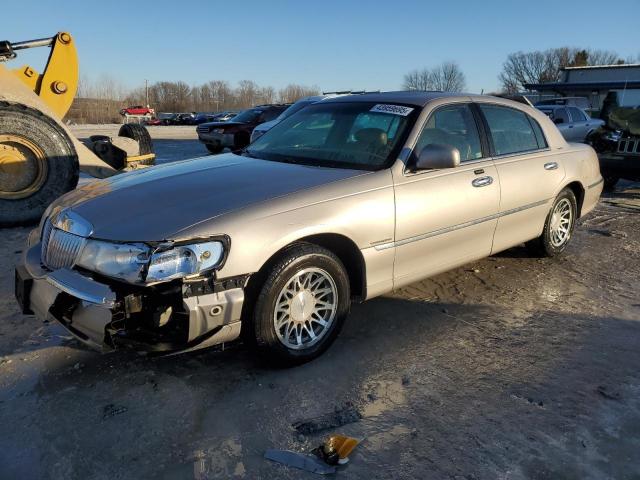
<point x="561" y="222"/>
<point x="305" y="308"/>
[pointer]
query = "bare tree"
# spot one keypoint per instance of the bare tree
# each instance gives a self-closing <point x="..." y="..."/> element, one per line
<point x="293" y="92"/>
<point x="418" y="80"/>
<point x="543" y="66"/>
<point x="100" y="101"/>
<point x="446" y="77"/>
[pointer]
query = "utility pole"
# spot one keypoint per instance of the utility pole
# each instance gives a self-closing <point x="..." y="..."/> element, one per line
<point x="146" y="92"/>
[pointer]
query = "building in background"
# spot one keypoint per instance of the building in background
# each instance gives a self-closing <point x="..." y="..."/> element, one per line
<point x="593" y="83"/>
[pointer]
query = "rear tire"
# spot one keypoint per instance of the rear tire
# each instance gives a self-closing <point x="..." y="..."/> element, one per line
<point x="558" y="227"/>
<point x="301" y="306"/>
<point x="140" y="134"/>
<point x="40" y="164"/>
<point x="610" y="182"/>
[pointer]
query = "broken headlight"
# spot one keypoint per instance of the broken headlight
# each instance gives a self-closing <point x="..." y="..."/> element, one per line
<point x="125" y="261"/>
<point x="184" y="260"/>
<point x="138" y="263"/>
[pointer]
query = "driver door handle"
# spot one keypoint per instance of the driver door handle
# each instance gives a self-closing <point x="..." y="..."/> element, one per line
<point x="482" y="181"/>
<point x="551" y="165"/>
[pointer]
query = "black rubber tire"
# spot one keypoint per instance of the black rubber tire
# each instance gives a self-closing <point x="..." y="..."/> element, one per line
<point x="542" y="246"/>
<point x="295" y="258"/>
<point x="140" y="134"/>
<point x="241" y="140"/>
<point x="214" y="148"/>
<point x="610" y="182"/>
<point x="62" y="162"/>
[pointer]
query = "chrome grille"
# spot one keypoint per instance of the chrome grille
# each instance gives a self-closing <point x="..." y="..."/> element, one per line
<point x="629" y="145"/>
<point x="203" y="129"/>
<point x="60" y="249"/>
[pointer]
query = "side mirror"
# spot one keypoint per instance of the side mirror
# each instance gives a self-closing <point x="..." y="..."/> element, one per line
<point x="438" y="156"/>
<point x="558" y="121"/>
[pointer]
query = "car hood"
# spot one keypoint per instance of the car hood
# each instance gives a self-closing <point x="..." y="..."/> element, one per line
<point x="267" y="125"/>
<point x="156" y="203"/>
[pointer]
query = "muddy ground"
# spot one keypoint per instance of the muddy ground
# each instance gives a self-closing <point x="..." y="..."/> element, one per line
<point x="508" y="368"/>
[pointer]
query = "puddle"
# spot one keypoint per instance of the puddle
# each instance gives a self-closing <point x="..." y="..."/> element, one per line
<point x="382" y="396"/>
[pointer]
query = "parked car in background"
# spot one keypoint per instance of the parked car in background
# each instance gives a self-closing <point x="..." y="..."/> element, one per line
<point x="224" y="116"/>
<point x="299" y="105"/>
<point x="203" y="118"/>
<point x="138" y="110"/>
<point x="574" y="124"/>
<point x="343" y="201"/>
<point x="580" y="102"/>
<point x="618" y="141"/>
<point x="236" y="133"/>
<point x="153" y="122"/>
<point x="178" y="119"/>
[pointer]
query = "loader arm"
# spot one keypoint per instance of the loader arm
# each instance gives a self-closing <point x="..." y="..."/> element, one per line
<point x="58" y="84"/>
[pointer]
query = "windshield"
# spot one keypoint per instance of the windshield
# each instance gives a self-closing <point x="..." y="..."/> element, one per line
<point x="247" y="116"/>
<point x="296" y="107"/>
<point x="344" y="135"/>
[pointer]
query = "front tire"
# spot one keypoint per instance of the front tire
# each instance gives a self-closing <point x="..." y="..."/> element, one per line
<point x="610" y="182"/>
<point x="301" y="306"/>
<point x="558" y="227"/>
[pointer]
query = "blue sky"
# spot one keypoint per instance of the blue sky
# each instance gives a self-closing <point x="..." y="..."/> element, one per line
<point x="332" y="44"/>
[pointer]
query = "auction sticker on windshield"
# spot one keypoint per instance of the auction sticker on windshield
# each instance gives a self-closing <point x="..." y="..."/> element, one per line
<point x="394" y="109"/>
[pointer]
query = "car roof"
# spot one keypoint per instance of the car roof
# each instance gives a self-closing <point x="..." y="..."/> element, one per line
<point x="417" y="98"/>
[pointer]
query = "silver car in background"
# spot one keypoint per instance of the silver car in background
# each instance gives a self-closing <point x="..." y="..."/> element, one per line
<point x="574" y="124"/>
<point x="345" y="200"/>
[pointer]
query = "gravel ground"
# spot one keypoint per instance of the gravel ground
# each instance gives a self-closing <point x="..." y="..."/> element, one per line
<point x="508" y="368"/>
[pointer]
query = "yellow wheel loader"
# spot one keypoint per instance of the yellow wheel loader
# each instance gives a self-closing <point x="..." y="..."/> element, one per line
<point x="39" y="157"/>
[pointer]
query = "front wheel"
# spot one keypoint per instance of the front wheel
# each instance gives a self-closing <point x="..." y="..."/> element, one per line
<point x="302" y="305"/>
<point x="558" y="227"/>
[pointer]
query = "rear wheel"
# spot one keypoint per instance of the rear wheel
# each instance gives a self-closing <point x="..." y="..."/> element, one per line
<point x="302" y="305"/>
<point x="38" y="163"/>
<point x="558" y="227"/>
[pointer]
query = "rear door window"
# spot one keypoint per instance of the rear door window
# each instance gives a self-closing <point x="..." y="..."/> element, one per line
<point x="511" y="130"/>
<point x="577" y="115"/>
<point x="562" y="114"/>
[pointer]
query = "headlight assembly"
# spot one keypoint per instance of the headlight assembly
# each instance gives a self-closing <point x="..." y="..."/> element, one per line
<point x="139" y="263"/>
<point x="184" y="260"/>
<point x="118" y="260"/>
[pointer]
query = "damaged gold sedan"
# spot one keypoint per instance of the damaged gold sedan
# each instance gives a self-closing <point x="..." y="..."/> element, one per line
<point x="343" y="201"/>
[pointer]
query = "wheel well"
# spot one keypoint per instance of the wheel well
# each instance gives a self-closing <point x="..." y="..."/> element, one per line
<point x="351" y="257"/>
<point x="578" y="191"/>
<point x="343" y="247"/>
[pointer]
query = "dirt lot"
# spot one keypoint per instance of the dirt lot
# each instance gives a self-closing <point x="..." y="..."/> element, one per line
<point x="508" y="368"/>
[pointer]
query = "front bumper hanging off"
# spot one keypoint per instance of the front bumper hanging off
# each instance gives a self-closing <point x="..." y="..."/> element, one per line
<point x="106" y="316"/>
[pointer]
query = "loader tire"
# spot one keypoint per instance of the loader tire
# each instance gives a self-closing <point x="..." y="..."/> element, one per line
<point x="140" y="134"/>
<point x="38" y="163"/>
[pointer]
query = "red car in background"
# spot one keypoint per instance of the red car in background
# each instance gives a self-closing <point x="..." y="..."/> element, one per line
<point x="138" y="110"/>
